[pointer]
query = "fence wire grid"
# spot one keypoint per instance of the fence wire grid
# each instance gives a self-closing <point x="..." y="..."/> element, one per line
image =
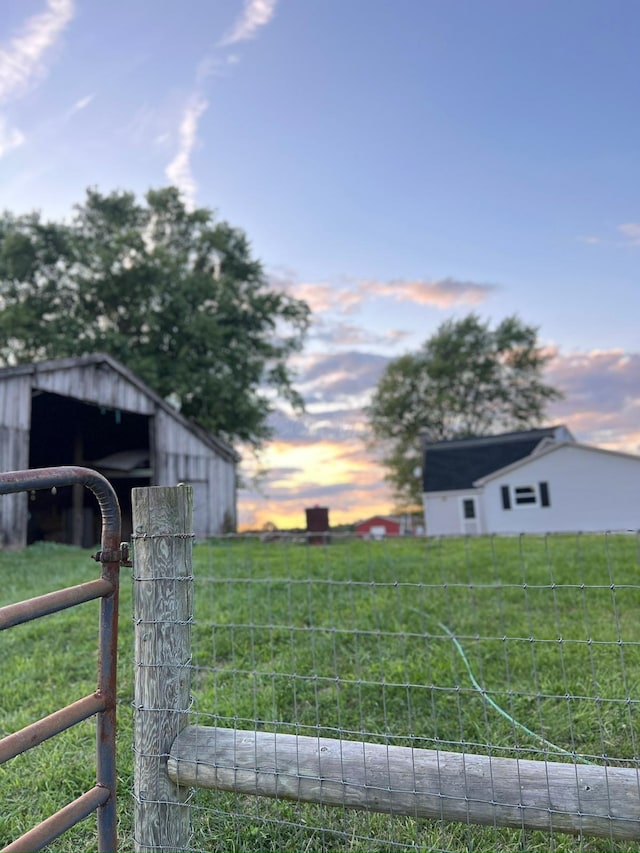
<point x="525" y="647"/>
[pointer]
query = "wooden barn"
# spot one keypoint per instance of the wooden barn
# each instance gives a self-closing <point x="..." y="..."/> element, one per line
<point x="93" y="411"/>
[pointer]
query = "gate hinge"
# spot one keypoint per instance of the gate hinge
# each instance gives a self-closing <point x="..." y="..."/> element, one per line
<point x="121" y="556"/>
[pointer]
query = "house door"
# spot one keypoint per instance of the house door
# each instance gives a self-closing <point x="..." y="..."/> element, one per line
<point x="469" y="513"/>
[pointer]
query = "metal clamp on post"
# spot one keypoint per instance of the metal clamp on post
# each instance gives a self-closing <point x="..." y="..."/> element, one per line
<point x="121" y="556"/>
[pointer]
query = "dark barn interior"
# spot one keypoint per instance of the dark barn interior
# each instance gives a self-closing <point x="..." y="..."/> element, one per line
<point x="65" y="431"/>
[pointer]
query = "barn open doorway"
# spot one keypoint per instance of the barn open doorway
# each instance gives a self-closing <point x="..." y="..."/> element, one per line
<point x="66" y="431"/>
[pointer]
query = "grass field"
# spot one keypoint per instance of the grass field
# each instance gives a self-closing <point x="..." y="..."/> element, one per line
<point x="391" y="641"/>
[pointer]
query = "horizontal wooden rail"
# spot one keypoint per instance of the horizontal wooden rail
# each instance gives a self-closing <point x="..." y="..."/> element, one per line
<point x="420" y="783"/>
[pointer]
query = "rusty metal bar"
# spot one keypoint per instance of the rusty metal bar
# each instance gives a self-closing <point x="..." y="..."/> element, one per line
<point x="106" y="726"/>
<point x="52" y="602"/>
<point x="68" y="475"/>
<point x="47" y="727"/>
<point x="60" y="822"/>
<point x="105" y="803"/>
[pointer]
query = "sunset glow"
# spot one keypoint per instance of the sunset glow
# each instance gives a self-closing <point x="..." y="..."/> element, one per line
<point x="395" y="165"/>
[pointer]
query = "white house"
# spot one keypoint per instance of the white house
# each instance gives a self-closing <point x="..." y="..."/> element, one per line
<point x="534" y="481"/>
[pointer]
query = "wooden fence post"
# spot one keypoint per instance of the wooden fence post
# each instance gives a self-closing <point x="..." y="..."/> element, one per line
<point x="163" y="612"/>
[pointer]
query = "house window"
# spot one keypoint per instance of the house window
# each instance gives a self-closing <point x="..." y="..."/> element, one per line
<point x="525" y="496"/>
<point x="468" y="508"/>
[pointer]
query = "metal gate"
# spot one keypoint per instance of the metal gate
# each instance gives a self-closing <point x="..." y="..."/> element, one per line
<point x="102" y="797"/>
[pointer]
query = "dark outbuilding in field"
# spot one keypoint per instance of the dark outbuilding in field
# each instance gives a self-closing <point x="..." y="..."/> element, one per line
<point x="93" y="411"/>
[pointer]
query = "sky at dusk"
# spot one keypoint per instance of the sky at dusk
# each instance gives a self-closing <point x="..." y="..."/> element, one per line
<point x="396" y="163"/>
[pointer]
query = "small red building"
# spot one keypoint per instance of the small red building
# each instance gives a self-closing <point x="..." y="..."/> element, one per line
<point x="379" y="526"/>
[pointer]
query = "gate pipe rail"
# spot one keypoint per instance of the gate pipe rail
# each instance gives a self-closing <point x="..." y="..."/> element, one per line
<point x="52" y="602"/>
<point x="102" y="798"/>
<point x="43" y="729"/>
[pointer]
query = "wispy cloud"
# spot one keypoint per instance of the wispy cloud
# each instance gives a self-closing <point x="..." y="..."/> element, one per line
<point x="589" y="239"/>
<point x="345" y="298"/>
<point x="347" y="334"/>
<point x="602" y="396"/>
<point x="23" y="60"/>
<point x="255" y="15"/>
<point x="10" y="137"/>
<point x="340" y="375"/>
<point x="179" y="169"/>
<point x="441" y="293"/>
<point x="82" y="103"/>
<point x="631" y="232"/>
<point x="325" y="297"/>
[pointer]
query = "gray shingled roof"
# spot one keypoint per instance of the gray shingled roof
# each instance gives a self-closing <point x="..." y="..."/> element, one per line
<point x="457" y="464"/>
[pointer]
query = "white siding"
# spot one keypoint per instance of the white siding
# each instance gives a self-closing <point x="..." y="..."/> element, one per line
<point x="589" y="490"/>
<point x="443" y="512"/>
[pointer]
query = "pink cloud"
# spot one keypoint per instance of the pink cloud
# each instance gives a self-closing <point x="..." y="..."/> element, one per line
<point x="344" y="298"/>
<point x="602" y="396"/>
<point x="328" y="297"/>
<point x="442" y="293"/>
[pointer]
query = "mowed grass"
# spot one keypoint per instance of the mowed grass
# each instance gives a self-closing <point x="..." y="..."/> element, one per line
<point x="355" y="640"/>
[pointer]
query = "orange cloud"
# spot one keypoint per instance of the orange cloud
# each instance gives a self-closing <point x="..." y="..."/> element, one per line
<point x="339" y="475"/>
<point x="363" y="501"/>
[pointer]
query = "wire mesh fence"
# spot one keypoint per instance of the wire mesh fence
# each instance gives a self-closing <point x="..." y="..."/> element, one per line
<point x="523" y="648"/>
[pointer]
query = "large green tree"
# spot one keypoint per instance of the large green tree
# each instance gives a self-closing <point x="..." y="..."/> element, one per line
<point x="466" y="379"/>
<point x="175" y="294"/>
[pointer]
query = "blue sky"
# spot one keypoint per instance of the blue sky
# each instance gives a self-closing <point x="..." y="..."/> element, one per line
<point x="394" y="162"/>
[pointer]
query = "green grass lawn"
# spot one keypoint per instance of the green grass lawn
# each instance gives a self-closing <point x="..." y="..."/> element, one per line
<point x="388" y="641"/>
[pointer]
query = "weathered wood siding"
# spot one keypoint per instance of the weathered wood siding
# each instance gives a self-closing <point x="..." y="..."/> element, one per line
<point x="182" y="457"/>
<point x="94" y="383"/>
<point x="180" y="452"/>
<point x="15" y="419"/>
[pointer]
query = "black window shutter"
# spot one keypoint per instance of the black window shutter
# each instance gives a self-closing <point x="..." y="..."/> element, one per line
<point x="506" y="498"/>
<point x="544" y="494"/>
